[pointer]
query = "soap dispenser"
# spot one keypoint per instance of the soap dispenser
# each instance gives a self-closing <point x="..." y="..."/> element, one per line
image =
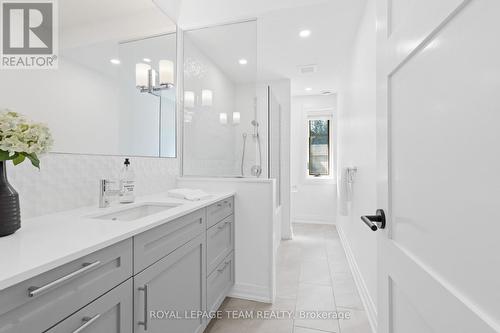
<point x="127" y="183"/>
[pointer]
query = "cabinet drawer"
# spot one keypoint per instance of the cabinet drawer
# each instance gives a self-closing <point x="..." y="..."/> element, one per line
<point x="152" y="245"/>
<point x="110" y="313"/>
<point x="40" y="302"/>
<point x="219" y="282"/>
<point x="219" y="211"/>
<point x="220" y="242"/>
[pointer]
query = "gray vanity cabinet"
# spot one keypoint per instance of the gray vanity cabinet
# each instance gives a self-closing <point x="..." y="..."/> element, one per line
<point x="175" y="283"/>
<point x="158" y="281"/>
<point x="37" y="304"/>
<point x="110" y="313"/>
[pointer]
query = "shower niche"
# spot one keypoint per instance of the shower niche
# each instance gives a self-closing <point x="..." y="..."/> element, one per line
<point x="226" y="110"/>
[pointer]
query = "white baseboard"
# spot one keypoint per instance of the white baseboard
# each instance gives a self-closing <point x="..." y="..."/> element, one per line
<point x="251" y="292"/>
<point x="371" y="309"/>
<point x="314" y="219"/>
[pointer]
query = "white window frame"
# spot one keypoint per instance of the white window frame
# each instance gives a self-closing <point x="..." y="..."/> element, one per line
<point x="320" y="114"/>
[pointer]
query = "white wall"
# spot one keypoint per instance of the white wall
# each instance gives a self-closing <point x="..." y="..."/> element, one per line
<point x="356" y="147"/>
<point x="313" y="200"/>
<point x="69" y="181"/>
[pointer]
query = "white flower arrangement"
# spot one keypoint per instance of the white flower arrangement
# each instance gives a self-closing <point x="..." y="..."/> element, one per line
<point x="21" y="139"/>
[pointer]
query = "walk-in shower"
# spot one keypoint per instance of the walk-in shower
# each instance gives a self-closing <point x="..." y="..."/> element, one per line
<point x="226" y="109"/>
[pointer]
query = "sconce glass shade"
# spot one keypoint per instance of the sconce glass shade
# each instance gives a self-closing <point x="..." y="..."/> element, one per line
<point x="223" y="118"/>
<point x="189" y="99"/>
<point x="166" y="72"/>
<point x="142" y="75"/>
<point x="206" y="97"/>
<point x="154" y="78"/>
<point x="236" y="118"/>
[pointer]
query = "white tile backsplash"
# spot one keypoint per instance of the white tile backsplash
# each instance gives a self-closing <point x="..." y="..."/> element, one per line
<point x="69" y="181"/>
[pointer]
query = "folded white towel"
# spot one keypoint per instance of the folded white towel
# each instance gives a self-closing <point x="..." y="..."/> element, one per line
<point x="188" y="194"/>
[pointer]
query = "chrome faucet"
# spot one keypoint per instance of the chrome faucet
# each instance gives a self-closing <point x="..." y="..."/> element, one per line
<point x="105" y="192"/>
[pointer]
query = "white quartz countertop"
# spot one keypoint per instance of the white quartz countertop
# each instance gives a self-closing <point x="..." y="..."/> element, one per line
<point x="46" y="242"/>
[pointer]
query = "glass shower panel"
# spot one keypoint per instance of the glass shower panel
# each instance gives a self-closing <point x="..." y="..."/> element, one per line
<point x="222" y="123"/>
<point x="275" y="118"/>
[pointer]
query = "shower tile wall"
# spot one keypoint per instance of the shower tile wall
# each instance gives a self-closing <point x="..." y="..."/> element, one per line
<point x="68" y="181"/>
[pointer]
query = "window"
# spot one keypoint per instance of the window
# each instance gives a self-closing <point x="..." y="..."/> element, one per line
<point x="319" y="147"/>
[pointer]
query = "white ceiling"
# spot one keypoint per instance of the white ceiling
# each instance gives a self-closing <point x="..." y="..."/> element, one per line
<point x="333" y="25"/>
<point x="195" y="13"/>
<point x="88" y="12"/>
<point x="96" y="21"/>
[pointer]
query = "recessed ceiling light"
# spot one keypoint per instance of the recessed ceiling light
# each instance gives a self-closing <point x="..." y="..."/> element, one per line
<point x="115" y="61"/>
<point x="243" y="61"/>
<point x="146" y="60"/>
<point x="305" y="33"/>
<point x="308" y="89"/>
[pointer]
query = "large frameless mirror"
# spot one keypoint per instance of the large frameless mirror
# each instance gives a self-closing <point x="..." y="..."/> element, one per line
<point x="113" y="92"/>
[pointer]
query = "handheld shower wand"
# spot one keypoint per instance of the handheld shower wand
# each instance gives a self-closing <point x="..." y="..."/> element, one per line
<point x="255" y="125"/>
<point x="256" y="170"/>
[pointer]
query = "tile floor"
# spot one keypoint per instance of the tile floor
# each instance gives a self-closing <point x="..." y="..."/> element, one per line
<point x="312" y="275"/>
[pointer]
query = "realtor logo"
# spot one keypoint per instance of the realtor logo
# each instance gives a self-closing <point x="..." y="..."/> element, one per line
<point x="29" y="34"/>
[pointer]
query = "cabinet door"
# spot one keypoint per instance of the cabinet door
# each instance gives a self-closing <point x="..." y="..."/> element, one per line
<point x="110" y="313"/>
<point x="177" y="284"/>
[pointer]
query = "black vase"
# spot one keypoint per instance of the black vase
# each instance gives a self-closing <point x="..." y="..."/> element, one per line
<point x="10" y="213"/>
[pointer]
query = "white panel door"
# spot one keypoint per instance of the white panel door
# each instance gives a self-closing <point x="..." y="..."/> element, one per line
<point x="438" y="157"/>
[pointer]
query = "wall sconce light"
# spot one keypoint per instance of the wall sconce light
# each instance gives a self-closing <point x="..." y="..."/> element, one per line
<point x="146" y="78"/>
<point x="236" y="118"/>
<point x="166" y="72"/>
<point x="189" y="99"/>
<point x="188" y="117"/>
<point x="223" y="118"/>
<point x="206" y="97"/>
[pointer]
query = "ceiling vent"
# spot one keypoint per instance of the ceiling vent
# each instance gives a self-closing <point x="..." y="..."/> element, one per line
<point x="308" y="69"/>
<point x="326" y="92"/>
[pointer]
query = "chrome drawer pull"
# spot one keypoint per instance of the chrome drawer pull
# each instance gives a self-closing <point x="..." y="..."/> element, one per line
<point x="87" y="321"/>
<point x="145" y="322"/>
<point x="220" y="270"/>
<point x="225" y="202"/>
<point x="223" y="225"/>
<point x="35" y="291"/>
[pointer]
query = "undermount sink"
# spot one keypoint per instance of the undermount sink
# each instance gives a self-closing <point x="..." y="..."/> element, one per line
<point x="137" y="212"/>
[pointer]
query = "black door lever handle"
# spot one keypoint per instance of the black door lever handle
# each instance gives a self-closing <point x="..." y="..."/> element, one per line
<point x="375" y="222"/>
